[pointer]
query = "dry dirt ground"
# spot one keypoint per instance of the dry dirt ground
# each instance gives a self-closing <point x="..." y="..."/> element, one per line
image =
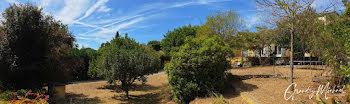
<point x="247" y="89"/>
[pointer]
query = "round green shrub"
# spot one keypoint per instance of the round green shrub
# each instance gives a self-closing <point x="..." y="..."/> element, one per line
<point x="125" y="60"/>
<point x="197" y="68"/>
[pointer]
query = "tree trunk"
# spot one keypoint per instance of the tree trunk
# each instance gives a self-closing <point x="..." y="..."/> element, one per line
<point x="127" y="94"/>
<point x="291" y="56"/>
<point x="260" y="53"/>
<point x="51" y="92"/>
<point x="125" y="87"/>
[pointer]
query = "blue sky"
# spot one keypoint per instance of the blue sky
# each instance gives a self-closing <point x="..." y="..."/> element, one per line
<point x="95" y="21"/>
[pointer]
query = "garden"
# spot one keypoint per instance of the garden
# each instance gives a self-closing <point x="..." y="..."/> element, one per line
<point x="41" y="63"/>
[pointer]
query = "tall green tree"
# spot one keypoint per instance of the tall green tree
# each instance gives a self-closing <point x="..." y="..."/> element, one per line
<point x="176" y="38"/>
<point x="85" y="55"/>
<point x="332" y="44"/>
<point x="305" y="27"/>
<point x="224" y="24"/>
<point x="33" y="47"/>
<point x="346" y="4"/>
<point x="256" y="41"/>
<point x="125" y="60"/>
<point x="154" y="45"/>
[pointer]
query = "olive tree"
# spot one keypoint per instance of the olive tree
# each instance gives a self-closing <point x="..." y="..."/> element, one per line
<point x="125" y="60"/>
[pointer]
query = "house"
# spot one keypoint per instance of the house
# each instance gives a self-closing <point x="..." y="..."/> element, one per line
<point x="280" y="54"/>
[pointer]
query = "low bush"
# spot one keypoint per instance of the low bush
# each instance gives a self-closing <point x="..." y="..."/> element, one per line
<point x="22" y="92"/>
<point x="198" y="68"/>
<point x="7" y="95"/>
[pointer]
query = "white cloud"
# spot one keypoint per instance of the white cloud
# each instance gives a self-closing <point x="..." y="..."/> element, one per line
<point x="84" y="38"/>
<point x="104" y="9"/>
<point x="252" y="21"/>
<point x="123" y="25"/>
<point x="100" y="3"/>
<point x="113" y="22"/>
<point x="198" y="2"/>
<point x="72" y="10"/>
<point x="84" y="24"/>
<point x="114" y="28"/>
<point x="103" y="27"/>
<point x="106" y="32"/>
<point x="105" y="35"/>
<point x="152" y="8"/>
<point x="45" y="3"/>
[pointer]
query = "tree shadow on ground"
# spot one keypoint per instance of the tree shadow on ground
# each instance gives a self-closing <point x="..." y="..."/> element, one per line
<point x="235" y="86"/>
<point x="153" y="94"/>
<point x="134" y="87"/>
<point x="72" y="98"/>
<point x="161" y="95"/>
<point x="149" y="98"/>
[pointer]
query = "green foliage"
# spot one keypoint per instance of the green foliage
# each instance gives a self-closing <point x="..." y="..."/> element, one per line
<point x="7" y="95"/>
<point x="345" y="72"/>
<point x="334" y="100"/>
<point x="32" y="48"/>
<point x="154" y="45"/>
<point x="220" y="99"/>
<point x="93" y="71"/>
<point x="197" y="67"/>
<point x="347" y="5"/>
<point x="224" y="24"/>
<point x="22" y="92"/>
<point x="163" y="58"/>
<point x="254" y="40"/>
<point x="86" y="55"/>
<point x="245" y="41"/>
<point x="176" y="38"/>
<point x="332" y="44"/>
<point x="306" y="25"/>
<point x="320" y="101"/>
<point x="125" y="60"/>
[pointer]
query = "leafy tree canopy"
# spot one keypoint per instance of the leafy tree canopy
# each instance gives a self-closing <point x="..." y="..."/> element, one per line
<point x="32" y="48"/>
<point x="224" y="24"/>
<point x="85" y="55"/>
<point x="125" y="60"/>
<point x="154" y="44"/>
<point x="176" y="38"/>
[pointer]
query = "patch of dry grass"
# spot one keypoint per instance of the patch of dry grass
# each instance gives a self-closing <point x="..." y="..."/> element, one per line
<point x="156" y="90"/>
